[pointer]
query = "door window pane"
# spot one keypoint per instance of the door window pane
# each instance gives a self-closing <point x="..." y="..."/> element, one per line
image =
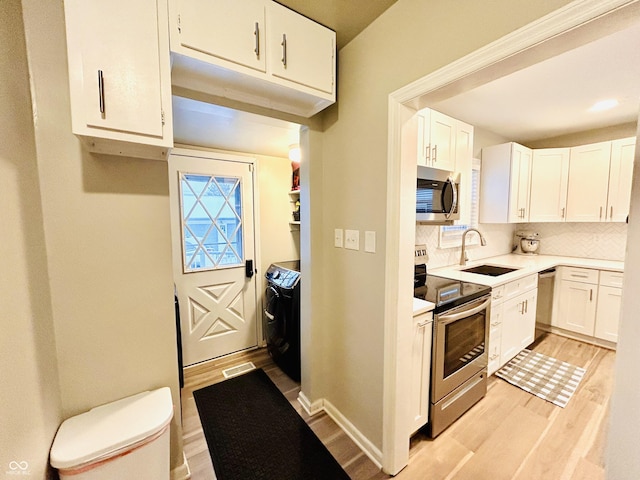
<point x="211" y="219"/>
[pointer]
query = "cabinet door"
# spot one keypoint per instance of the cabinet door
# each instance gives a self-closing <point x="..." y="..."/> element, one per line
<point x="443" y="141"/>
<point x="527" y="323"/>
<point x="300" y="50"/>
<point x="227" y="29"/>
<point x="608" y="315"/>
<point x="420" y="370"/>
<point x="464" y="167"/>
<point x="424" y="137"/>
<point x="576" y="307"/>
<point x="511" y="332"/>
<point x="495" y="338"/>
<point x="549" y="179"/>
<point x="620" y="174"/>
<point x="519" y="183"/>
<point x="114" y="67"/>
<point x="588" y="182"/>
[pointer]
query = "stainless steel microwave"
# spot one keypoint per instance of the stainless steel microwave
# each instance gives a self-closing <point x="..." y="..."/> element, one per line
<point x="437" y="196"/>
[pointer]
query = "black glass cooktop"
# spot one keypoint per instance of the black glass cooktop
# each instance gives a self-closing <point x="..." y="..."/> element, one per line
<point x="447" y="293"/>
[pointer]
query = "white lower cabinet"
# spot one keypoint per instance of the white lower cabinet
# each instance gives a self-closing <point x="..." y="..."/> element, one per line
<point x="512" y="322"/>
<point x="588" y="302"/>
<point x="495" y="338"/>
<point x="420" y="370"/>
<point x="519" y="324"/>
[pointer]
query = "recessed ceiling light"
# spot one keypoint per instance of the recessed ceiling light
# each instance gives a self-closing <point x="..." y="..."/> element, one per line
<point x="604" y="105"/>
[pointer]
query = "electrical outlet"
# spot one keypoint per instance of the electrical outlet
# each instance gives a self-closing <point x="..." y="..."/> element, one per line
<point x="421" y="255"/>
<point x="337" y="237"/>
<point x="352" y="239"/>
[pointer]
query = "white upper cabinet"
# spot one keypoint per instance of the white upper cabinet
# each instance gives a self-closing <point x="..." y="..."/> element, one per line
<point x="620" y="176"/>
<point x="437" y="140"/>
<point x="588" y="182"/>
<point x="299" y="50"/>
<point x="464" y="166"/>
<point x="236" y="36"/>
<point x="504" y="183"/>
<point x="119" y="76"/>
<point x="254" y="51"/>
<point x="549" y="177"/>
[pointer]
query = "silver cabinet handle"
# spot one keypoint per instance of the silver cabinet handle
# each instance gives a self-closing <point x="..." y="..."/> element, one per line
<point x="435" y="153"/>
<point x="562" y="215"/>
<point x="591" y="294"/>
<point x="424" y="324"/>
<point x="256" y="32"/>
<point x="600" y="213"/>
<point x="101" y="91"/>
<point x="611" y="212"/>
<point x="427" y="153"/>
<point x="579" y="275"/>
<point x="284" y="50"/>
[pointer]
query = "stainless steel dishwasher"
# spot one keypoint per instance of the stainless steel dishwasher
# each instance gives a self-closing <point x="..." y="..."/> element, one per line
<point x="544" y="307"/>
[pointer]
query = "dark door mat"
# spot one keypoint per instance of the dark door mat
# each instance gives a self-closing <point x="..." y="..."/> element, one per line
<point x="254" y="433"/>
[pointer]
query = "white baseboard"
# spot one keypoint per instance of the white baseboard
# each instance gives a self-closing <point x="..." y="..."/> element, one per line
<point x="181" y="472"/>
<point x="311" y="408"/>
<point x="360" y="440"/>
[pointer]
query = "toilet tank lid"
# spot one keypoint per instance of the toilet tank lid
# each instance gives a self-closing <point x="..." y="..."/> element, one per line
<point x="107" y="430"/>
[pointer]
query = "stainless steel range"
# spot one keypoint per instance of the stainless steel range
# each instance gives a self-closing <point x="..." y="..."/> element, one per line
<point x="460" y="339"/>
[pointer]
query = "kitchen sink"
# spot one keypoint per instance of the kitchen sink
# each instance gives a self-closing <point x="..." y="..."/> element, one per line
<point x="491" y="270"/>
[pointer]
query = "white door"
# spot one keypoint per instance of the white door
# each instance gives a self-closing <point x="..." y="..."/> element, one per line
<point x="212" y="226"/>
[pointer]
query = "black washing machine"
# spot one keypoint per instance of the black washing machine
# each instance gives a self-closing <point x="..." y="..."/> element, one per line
<point x="282" y="316"/>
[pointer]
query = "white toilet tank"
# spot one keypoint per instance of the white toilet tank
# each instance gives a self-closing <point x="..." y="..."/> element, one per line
<point x="126" y="440"/>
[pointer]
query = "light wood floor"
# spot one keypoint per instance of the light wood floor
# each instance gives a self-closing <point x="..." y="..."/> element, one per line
<point x="509" y="434"/>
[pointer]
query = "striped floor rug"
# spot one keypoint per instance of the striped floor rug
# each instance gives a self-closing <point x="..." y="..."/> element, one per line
<point x="543" y="376"/>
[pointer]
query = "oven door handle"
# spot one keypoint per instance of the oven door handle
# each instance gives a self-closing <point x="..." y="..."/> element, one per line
<point x="453" y="317"/>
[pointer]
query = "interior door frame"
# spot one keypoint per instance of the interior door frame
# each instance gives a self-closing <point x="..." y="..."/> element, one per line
<point x="565" y="28"/>
<point x="200" y="152"/>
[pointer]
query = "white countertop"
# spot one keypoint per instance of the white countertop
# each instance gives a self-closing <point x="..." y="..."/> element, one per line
<point x="422" y="306"/>
<point x="525" y="264"/>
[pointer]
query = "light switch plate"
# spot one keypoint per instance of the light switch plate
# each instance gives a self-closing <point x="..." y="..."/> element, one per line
<point x="352" y="239"/>
<point x="337" y="237"/>
<point x="370" y="242"/>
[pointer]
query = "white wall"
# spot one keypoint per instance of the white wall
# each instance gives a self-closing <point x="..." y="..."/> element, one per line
<point x="278" y="240"/>
<point x="108" y="242"/>
<point x="411" y="39"/>
<point x="30" y="409"/>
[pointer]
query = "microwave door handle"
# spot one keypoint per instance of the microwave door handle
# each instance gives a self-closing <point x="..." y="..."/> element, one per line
<point x="454" y="200"/>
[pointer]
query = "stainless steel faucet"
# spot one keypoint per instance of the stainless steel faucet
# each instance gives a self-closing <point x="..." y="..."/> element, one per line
<point x="463" y="253"/>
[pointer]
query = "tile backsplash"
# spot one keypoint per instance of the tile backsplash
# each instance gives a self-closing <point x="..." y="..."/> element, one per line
<point x="589" y="240"/>
<point x="499" y="242"/>
<point x="607" y="241"/>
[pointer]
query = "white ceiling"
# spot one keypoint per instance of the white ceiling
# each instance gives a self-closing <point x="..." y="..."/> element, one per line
<point x="545" y="100"/>
<point x="552" y="98"/>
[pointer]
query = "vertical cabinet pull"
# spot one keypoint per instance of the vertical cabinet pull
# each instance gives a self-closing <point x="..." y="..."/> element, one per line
<point x="562" y="215"/>
<point x="427" y="153"/>
<point x="600" y="213"/>
<point x="591" y="294"/>
<point x="611" y="212"/>
<point x="435" y="153"/>
<point x="101" y="91"/>
<point x="256" y="32"/>
<point x="284" y="50"/>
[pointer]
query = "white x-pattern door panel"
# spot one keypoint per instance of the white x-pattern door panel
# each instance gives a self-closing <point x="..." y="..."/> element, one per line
<point x="213" y="238"/>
